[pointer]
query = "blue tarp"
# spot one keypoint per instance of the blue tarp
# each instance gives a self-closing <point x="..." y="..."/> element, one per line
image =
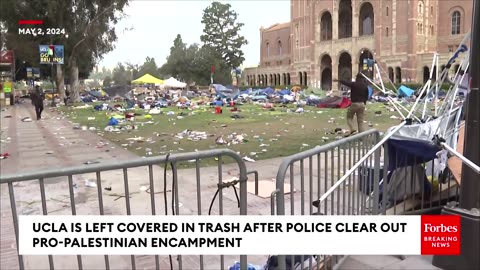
<point x="404" y="91"/>
<point x="285" y="92"/>
<point x="404" y="153"/>
<point x="259" y="97"/>
<point x="268" y="91"/>
<point x="257" y="92"/>
<point x="401" y="154"/>
<point x="113" y="122"/>
<point x="220" y="88"/>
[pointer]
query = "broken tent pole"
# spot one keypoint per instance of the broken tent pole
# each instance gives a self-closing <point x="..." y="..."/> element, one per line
<point x="352" y="169"/>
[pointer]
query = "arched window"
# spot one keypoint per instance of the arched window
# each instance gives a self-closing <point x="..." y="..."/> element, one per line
<point x="326" y="26"/>
<point x="386" y="10"/>
<point x="456" y="20"/>
<point x="420" y="8"/>
<point x="268" y="49"/>
<point x="279" y="47"/>
<point x="386" y="32"/>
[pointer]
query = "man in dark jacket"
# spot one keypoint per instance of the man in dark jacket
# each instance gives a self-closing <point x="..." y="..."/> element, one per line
<point x="37" y="100"/>
<point x="359" y="97"/>
<point x="67" y="97"/>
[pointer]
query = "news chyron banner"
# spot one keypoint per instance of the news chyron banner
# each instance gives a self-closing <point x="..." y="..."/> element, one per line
<point x="51" y="54"/>
<point x="239" y="235"/>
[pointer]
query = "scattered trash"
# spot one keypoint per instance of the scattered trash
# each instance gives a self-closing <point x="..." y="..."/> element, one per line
<point x="143" y="188"/>
<point x="4" y="155"/>
<point x="248" y="159"/>
<point x="108" y="188"/>
<point x="90" y="183"/>
<point x="394" y="117"/>
<point x="220" y="140"/>
<point x="49" y="152"/>
<point x="155" y="111"/>
<point x="91" y="118"/>
<point x="27" y="119"/>
<point x="113" y="121"/>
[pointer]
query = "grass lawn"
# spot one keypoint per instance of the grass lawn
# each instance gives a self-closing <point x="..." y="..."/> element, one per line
<point x="283" y="131"/>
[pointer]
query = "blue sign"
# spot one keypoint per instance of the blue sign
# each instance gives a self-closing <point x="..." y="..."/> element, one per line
<point x="51" y="54"/>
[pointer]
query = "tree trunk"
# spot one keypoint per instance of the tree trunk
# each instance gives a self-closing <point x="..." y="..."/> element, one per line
<point x="74" y="83"/>
<point x="60" y="78"/>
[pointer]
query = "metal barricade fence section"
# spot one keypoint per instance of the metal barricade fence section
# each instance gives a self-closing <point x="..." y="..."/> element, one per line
<point x="371" y="182"/>
<point x="144" y="186"/>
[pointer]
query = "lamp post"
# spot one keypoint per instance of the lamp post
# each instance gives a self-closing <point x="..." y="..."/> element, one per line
<point x="51" y="77"/>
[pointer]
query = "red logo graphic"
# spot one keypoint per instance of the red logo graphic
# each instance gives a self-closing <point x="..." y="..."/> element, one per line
<point x="441" y="235"/>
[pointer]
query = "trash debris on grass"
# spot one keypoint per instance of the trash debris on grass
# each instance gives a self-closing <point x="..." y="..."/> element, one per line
<point x="192" y="135"/>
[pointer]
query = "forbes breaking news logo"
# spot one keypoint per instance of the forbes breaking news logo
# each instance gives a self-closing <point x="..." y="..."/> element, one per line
<point x="441" y="235"/>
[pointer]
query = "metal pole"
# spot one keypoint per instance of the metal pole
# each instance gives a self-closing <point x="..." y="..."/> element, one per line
<point x="470" y="188"/>
<point x="466" y="162"/>
<point x="53" y="86"/>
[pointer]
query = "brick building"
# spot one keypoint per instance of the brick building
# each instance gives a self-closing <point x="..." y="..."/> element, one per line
<point x="328" y="39"/>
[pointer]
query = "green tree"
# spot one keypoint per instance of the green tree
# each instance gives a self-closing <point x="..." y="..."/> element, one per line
<point x="89" y="32"/>
<point x="148" y="67"/>
<point x="222" y="33"/>
<point x="133" y="70"/>
<point x="204" y="59"/>
<point x="120" y="75"/>
<point x="91" y="28"/>
<point x="175" y="65"/>
<point x="107" y="81"/>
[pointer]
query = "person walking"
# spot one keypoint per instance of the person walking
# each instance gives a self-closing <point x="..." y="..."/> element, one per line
<point x="67" y="97"/>
<point x="37" y="100"/>
<point x="359" y="97"/>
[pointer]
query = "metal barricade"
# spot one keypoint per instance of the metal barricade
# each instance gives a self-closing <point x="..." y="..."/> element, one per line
<point x="150" y="186"/>
<point x="348" y="177"/>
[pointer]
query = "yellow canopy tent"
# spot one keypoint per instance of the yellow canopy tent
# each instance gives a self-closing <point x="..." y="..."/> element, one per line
<point x="147" y="78"/>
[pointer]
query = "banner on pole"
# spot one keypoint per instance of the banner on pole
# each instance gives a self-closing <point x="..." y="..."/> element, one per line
<point x="29" y="72"/>
<point x="51" y="54"/>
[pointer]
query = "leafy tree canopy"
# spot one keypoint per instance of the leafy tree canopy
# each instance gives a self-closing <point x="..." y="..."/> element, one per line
<point x="121" y="76"/>
<point x="222" y="33"/>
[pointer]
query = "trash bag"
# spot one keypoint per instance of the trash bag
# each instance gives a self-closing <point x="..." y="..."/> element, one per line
<point x="113" y="122"/>
<point x="236" y="266"/>
<point x="272" y="263"/>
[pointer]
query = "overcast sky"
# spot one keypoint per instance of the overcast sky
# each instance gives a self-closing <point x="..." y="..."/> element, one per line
<point x="156" y="23"/>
